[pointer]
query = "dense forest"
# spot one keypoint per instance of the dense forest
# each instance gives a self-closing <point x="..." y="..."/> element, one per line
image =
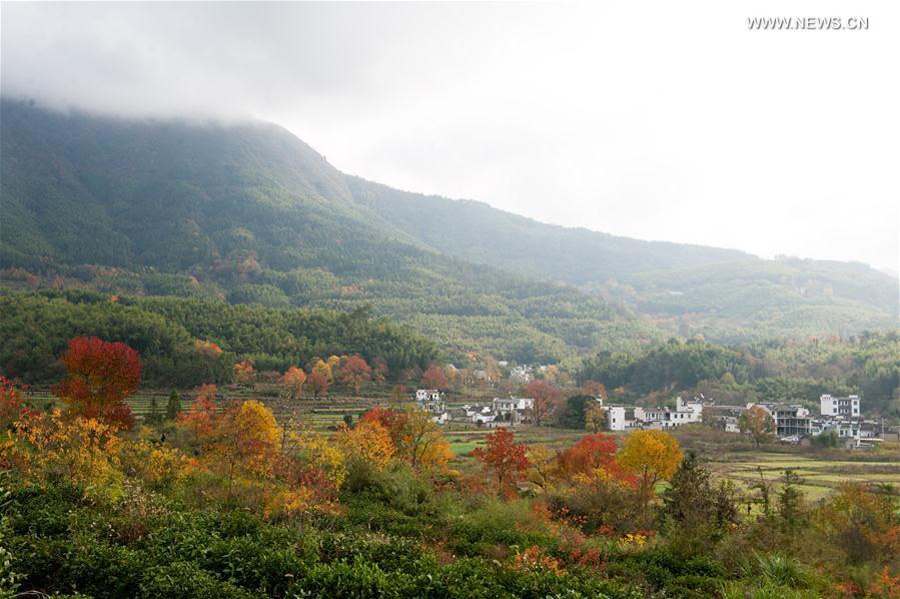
<point x="868" y="365"/>
<point x="175" y="336"/>
<point x="249" y="214"/>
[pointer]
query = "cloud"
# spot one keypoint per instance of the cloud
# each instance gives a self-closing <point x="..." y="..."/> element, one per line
<point x="651" y="120"/>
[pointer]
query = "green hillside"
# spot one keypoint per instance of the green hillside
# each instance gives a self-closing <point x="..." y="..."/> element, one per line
<point x="249" y="214"/>
<point x="167" y="331"/>
<point x="726" y="295"/>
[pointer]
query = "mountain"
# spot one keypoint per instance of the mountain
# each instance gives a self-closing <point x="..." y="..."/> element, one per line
<point x="249" y="213"/>
<point x="727" y="295"/>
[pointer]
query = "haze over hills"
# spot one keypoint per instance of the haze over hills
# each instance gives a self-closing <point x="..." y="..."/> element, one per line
<point x="252" y="214"/>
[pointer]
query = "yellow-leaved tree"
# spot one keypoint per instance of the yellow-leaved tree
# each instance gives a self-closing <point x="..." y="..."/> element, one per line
<point x="245" y="439"/>
<point x="368" y="443"/>
<point x="651" y="456"/>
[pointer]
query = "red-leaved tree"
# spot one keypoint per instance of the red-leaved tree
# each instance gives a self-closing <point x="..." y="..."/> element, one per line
<point x="505" y="459"/>
<point x="318" y="383"/>
<point x="100" y="376"/>
<point x="434" y="378"/>
<point x="592" y="452"/>
<point x="546" y="399"/>
<point x="12" y="404"/>
<point x="354" y="372"/>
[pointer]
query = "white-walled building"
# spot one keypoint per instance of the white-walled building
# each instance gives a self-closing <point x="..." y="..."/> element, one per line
<point x="431" y="401"/>
<point x="847" y="407"/>
<point x="512" y="409"/>
<point x="617" y="417"/>
<point x="423" y="395"/>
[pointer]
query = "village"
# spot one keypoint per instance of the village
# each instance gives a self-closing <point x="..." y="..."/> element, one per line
<point x="789" y="423"/>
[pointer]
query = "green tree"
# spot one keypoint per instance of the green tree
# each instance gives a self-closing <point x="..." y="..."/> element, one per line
<point x="154" y="416"/>
<point x="173" y="406"/>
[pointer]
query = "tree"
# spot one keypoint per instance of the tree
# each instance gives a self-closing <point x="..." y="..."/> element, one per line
<point x="434" y="378"/>
<point x="379" y="369"/>
<point x="594" y="416"/>
<point x="652" y="456"/>
<point x="541" y="468"/>
<point x="546" y="399"/>
<point x="318" y="382"/>
<point x="790" y="501"/>
<point x="695" y="511"/>
<point x="758" y="423"/>
<point x="571" y="412"/>
<point x="12" y="404"/>
<point x="154" y="416"/>
<point x="200" y="417"/>
<point x="100" y="376"/>
<point x="596" y="389"/>
<point x="505" y="459"/>
<point x="173" y="405"/>
<point x="368" y="443"/>
<point x="354" y="372"/>
<point x="398" y="394"/>
<point x="323" y="368"/>
<point x="293" y="381"/>
<point x="244" y="374"/>
<point x="244" y="439"/>
<point x="591" y="453"/>
<point x="417" y="437"/>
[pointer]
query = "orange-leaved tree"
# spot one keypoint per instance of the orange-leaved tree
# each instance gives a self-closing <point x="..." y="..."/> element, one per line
<point x="293" y="381"/>
<point x="434" y="378"/>
<point x="590" y="454"/>
<point x="201" y="416"/>
<point x="244" y="374"/>
<point x="505" y="459"/>
<point x="758" y="423"/>
<point x="100" y="375"/>
<point x="245" y="440"/>
<point x="368" y="444"/>
<point x="546" y="399"/>
<point x="47" y="448"/>
<point x="417" y="438"/>
<point x="318" y="383"/>
<point x="354" y="371"/>
<point x="651" y="456"/>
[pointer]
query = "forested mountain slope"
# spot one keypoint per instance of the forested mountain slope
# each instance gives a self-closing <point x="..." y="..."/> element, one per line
<point x="726" y="295"/>
<point x="250" y="214"/>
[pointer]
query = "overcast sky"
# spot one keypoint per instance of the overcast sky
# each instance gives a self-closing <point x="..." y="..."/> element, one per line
<point x="651" y="120"/>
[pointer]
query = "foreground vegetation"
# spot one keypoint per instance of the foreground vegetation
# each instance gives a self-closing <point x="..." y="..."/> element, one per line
<point x="212" y="499"/>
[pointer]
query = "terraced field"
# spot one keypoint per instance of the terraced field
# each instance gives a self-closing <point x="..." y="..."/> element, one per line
<point x="819" y="477"/>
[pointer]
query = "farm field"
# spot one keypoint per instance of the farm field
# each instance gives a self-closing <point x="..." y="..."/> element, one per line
<point x="819" y="476"/>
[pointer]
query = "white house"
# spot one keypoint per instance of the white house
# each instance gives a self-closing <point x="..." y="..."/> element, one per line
<point x="684" y="413"/>
<point x="847" y="407"/>
<point x="431" y="401"/>
<point x="512" y="409"/>
<point x="616" y="418"/>
<point x="423" y="395"/>
<point x="521" y="374"/>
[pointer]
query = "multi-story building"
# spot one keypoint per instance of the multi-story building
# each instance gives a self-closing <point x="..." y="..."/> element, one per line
<point x="431" y="401"/>
<point x="846" y="407"/>
<point x="512" y="409"/>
